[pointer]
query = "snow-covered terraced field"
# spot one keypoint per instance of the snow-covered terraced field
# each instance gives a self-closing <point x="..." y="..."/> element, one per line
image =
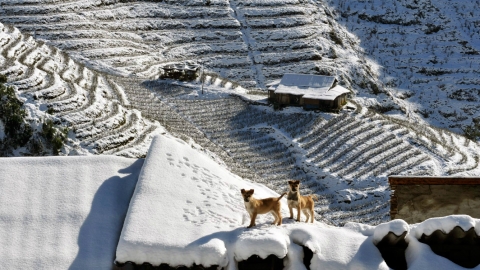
<point x="88" y="102"/>
<point x="250" y="42"/>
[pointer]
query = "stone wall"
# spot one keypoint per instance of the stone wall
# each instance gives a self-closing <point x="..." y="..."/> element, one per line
<point x="415" y="199"/>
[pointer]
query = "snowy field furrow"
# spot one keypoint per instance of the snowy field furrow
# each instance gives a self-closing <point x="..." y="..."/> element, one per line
<point x="124" y="31"/>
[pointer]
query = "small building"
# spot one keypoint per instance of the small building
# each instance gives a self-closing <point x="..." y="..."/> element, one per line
<point x="309" y="91"/>
<point x="186" y="71"/>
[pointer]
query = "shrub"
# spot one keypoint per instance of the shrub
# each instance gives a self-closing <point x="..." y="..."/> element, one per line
<point x="54" y="136"/>
<point x="335" y="38"/>
<point x="17" y="131"/>
<point x="472" y="132"/>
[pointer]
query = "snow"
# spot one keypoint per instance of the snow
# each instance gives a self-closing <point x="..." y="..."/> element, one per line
<point x="309" y="86"/>
<point x="419" y="256"/>
<point x="352" y="163"/>
<point x="344" y="249"/>
<point x="185" y="209"/>
<point x="63" y="212"/>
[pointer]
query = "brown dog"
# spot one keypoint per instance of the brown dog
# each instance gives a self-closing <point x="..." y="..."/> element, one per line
<point x="302" y="203"/>
<point x="262" y="206"/>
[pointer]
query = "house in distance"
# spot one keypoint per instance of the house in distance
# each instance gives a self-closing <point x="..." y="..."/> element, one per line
<point x="186" y="71"/>
<point x="309" y="91"/>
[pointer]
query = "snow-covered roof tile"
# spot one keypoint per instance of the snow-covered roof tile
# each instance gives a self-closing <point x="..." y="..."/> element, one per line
<point x="330" y="94"/>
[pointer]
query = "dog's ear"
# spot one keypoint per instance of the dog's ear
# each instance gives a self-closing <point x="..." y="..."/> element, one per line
<point x="243" y="190"/>
<point x="251" y="191"/>
<point x="290" y="182"/>
<point x="297" y="182"/>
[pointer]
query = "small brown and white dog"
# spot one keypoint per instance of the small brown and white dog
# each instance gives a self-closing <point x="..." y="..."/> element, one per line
<point x="301" y="203"/>
<point x="262" y="206"/>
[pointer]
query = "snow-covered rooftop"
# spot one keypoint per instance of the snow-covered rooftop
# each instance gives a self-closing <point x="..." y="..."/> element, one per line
<point x="330" y="94"/>
<point x="309" y="86"/>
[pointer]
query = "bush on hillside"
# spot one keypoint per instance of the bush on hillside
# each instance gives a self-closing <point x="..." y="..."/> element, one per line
<point x="472" y="132"/>
<point x="54" y="136"/>
<point x="19" y="132"/>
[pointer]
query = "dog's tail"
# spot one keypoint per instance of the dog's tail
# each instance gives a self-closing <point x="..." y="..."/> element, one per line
<point x="314" y="197"/>
<point x="279" y="198"/>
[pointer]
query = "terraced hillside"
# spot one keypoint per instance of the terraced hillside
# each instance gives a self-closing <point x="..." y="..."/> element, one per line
<point x="91" y="104"/>
<point x="343" y="158"/>
<point x="251" y="42"/>
<point x="429" y="51"/>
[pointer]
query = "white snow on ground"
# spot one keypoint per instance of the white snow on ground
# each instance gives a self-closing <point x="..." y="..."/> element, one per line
<point x="63" y="212"/>
<point x="187" y="209"/>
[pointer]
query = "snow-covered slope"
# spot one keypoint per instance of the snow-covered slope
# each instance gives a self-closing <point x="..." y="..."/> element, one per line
<point x="423" y="55"/>
<point x="89" y="103"/>
<point x="342" y="158"/>
<point x="429" y="53"/>
<point x="63" y="212"/>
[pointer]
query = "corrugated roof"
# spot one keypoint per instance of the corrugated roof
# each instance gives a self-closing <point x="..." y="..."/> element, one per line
<point x="307" y="80"/>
